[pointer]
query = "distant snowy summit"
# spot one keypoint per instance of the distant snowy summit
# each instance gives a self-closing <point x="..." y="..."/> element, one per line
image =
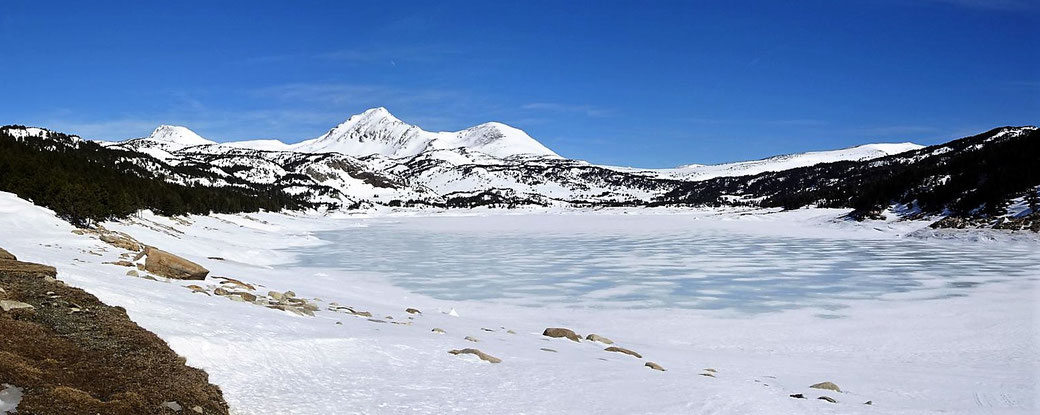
<point x="374" y="158"/>
<point x="376" y="132"/>
<point x="787" y="161"/>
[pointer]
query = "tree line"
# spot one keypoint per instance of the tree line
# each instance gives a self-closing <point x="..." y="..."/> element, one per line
<point x="84" y="182"/>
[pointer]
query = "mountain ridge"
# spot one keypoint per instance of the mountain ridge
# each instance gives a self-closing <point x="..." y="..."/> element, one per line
<point x="465" y="177"/>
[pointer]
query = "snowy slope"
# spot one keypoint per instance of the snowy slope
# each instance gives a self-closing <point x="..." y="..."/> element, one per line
<point x="970" y="352"/>
<point x="376" y="159"/>
<point x="786" y="162"/>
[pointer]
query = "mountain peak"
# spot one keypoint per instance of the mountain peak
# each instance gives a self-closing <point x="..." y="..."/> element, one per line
<point x="177" y="136"/>
<point x="377" y="131"/>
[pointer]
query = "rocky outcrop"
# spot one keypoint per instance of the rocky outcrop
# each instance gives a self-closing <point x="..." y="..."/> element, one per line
<point x="598" y="338"/>
<point x="654" y="366"/>
<point x="4" y="255"/>
<point x="827" y="386"/>
<point x="559" y="332"/>
<point x="168" y="265"/>
<point x="483" y="356"/>
<point x="71" y="354"/>
<point x="121" y="240"/>
<point x="623" y="350"/>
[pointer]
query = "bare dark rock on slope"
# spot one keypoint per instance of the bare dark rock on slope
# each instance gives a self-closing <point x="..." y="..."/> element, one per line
<point x="72" y="354"/>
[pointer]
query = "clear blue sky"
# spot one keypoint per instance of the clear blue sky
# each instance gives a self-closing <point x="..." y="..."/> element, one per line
<point x="650" y="84"/>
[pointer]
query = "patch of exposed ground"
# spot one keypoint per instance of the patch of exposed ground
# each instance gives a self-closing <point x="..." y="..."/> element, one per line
<point x="71" y="354"/>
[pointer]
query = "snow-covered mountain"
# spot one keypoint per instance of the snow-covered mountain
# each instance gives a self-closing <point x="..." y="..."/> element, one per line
<point x="787" y="161"/>
<point x="374" y="158"/>
<point x="377" y="132"/>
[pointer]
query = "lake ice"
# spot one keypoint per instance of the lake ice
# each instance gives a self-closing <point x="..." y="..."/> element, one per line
<point x="639" y="263"/>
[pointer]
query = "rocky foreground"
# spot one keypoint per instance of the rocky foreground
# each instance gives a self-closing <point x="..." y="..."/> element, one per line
<point x="62" y="351"/>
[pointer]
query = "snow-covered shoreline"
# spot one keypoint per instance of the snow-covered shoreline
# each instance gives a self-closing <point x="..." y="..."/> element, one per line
<point x="968" y="354"/>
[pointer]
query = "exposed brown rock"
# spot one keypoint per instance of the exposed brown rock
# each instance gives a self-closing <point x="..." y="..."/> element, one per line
<point x="598" y="338"/>
<point x="483" y="356"/>
<point x="561" y="332"/>
<point x="122" y="263"/>
<point x="623" y="350"/>
<point x="654" y="366"/>
<point x="8" y="305"/>
<point x="120" y="240"/>
<point x="168" y="265"/>
<point x="4" y="255"/>
<point x="93" y="361"/>
<point x="827" y="386"/>
<point x="235" y="282"/>
<point x="412" y="311"/>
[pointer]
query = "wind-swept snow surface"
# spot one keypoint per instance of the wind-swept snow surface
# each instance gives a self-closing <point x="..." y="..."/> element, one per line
<point x="963" y="340"/>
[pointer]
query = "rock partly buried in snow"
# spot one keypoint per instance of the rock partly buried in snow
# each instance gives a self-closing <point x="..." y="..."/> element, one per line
<point x="4" y="255"/>
<point x="438" y="330"/>
<point x="827" y="386"/>
<point x="828" y="399"/>
<point x="623" y="350"/>
<point x="797" y="396"/>
<point x="168" y="265"/>
<point x="121" y="240"/>
<point x="412" y="311"/>
<point x="472" y="339"/>
<point x="654" y="366"/>
<point x="232" y="281"/>
<point x="559" y="332"/>
<point x="483" y="356"/>
<point x="598" y="338"/>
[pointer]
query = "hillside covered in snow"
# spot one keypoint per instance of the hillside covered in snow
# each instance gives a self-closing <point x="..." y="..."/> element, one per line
<point x="374" y="160"/>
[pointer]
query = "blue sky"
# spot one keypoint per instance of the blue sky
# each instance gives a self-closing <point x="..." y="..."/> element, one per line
<point x="651" y="84"/>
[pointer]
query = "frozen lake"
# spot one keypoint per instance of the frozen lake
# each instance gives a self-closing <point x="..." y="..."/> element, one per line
<point x="645" y="262"/>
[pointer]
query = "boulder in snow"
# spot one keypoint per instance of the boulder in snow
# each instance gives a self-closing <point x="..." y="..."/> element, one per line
<point x="827" y="386"/>
<point x="623" y="350"/>
<point x="483" y="356"/>
<point x="598" y="338"/>
<point x="168" y="265"/>
<point x="561" y="332"/>
<point x="654" y="366"/>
